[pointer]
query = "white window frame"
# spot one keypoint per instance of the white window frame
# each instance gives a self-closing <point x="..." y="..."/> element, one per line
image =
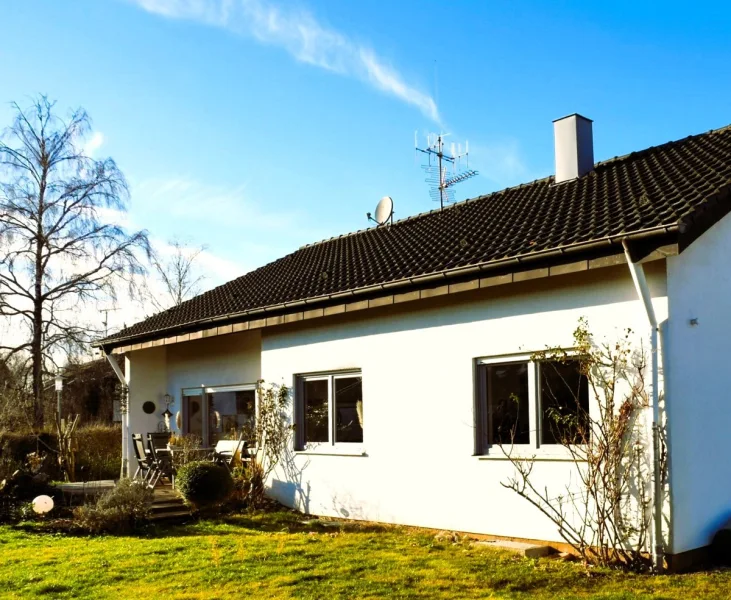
<point x="534" y="448"/>
<point x="202" y="391"/>
<point x="331" y="446"/>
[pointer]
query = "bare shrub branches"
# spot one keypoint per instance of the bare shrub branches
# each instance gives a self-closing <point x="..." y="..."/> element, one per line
<point x="270" y="435"/>
<point x="604" y="511"/>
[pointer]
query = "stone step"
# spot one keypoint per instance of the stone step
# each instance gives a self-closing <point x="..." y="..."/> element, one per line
<point x="158" y="507"/>
<point x="163" y="516"/>
<point x="523" y="548"/>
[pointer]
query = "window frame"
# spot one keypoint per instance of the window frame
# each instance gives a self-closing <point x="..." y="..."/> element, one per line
<point x="331" y="446"/>
<point x="535" y="448"/>
<point x="203" y="391"/>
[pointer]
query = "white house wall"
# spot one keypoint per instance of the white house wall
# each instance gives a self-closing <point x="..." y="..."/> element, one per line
<point x="699" y="387"/>
<point x="152" y="373"/>
<point x="145" y="372"/>
<point x="418" y="398"/>
<point x="222" y="360"/>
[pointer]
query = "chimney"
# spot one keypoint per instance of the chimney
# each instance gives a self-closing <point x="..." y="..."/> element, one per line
<point x="574" y="147"/>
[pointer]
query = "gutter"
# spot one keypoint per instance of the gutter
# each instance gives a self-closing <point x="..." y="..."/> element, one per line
<point x="436" y="277"/>
<point x="643" y="292"/>
<point x="124" y="471"/>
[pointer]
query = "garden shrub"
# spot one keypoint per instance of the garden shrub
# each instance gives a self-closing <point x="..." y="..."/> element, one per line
<point x="15" y="448"/>
<point x="119" y="511"/>
<point x="204" y="483"/>
<point x="99" y="454"/>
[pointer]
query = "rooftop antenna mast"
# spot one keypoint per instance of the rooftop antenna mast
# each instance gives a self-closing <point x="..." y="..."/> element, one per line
<point x="106" y="312"/>
<point x="444" y="168"/>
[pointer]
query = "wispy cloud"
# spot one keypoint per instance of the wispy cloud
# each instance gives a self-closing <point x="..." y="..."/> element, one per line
<point x="93" y="143"/>
<point x="501" y="162"/>
<point x="302" y="36"/>
<point x="188" y="201"/>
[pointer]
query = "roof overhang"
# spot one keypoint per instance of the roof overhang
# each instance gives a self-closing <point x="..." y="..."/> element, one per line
<point x="649" y="244"/>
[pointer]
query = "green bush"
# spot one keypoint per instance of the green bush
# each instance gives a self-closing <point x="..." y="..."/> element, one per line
<point x="99" y="454"/>
<point x="204" y="483"/>
<point x="120" y="510"/>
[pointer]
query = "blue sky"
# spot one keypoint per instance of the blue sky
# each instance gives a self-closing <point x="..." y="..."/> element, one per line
<point x="256" y="126"/>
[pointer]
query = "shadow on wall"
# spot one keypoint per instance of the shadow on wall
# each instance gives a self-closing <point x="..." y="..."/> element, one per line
<point x="290" y="490"/>
<point x="348" y="507"/>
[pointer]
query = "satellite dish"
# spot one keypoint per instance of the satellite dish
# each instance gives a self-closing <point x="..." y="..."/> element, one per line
<point x="384" y="210"/>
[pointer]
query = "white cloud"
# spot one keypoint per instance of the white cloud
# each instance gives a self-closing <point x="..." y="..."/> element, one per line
<point x="185" y="199"/>
<point x="501" y="162"/>
<point x="302" y="36"/>
<point x="93" y="143"/>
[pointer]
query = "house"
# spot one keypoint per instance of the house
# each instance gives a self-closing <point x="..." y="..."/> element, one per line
<point x="383" y="334"/>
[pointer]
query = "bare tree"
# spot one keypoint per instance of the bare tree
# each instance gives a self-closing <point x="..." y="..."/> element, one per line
<point x="177" y="273"/>
<point x="59" y="249"/>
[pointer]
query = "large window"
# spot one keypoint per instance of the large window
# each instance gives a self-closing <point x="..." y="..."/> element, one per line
<point x="526" y="403"/>
<point x="329" y="409"/>
<point x="216" y="413"/>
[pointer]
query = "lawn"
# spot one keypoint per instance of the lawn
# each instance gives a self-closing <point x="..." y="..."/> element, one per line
<point x="278" y="555"/>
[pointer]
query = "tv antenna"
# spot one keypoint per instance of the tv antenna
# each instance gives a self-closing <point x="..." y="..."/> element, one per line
<point x="384" y="212"/>
<point x="105" y="321"/>
<point x="443" y="169"/>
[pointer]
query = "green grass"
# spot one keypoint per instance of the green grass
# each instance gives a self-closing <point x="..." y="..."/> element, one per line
<point x="277" y="556"/>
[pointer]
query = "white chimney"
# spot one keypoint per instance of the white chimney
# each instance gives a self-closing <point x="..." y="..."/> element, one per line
<point x="574" y="147"/>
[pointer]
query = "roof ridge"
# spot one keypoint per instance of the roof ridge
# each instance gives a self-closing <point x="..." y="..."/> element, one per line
<point x="609" y="161"/>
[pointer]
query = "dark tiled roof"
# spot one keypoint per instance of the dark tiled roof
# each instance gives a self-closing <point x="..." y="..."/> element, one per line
<point x="661" y="186"/>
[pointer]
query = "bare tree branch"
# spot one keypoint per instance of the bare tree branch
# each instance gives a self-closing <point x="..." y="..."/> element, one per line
<point x="59" y="251"/>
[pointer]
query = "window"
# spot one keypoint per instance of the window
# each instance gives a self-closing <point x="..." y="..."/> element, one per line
<point x="564" y="394"/>
<point x="529" y="404"/>
<point x="330" y="409"/>
<point x="216" y="413"/>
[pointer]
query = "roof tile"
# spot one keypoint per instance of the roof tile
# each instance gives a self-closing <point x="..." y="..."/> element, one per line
<point x="654" y="187"/>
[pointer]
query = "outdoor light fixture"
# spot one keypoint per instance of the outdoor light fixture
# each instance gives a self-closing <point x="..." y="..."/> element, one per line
<point x="59" y="389"/>
<point x="167" y="414"/>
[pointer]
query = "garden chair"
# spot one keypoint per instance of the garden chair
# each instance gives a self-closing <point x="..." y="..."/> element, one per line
<point x="144" y="464"/>
<point x="162" y="465"/>
<point x="225" y="451"/>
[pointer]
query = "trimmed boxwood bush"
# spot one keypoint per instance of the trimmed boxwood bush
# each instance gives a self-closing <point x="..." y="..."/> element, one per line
<point x="204" y="483"/>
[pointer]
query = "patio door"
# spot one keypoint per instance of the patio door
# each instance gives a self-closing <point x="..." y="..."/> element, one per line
<point x="221" y="412"/>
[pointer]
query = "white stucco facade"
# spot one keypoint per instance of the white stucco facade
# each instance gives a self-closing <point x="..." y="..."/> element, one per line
<point x="416" y="465"/>
<point x="699" y="387"/>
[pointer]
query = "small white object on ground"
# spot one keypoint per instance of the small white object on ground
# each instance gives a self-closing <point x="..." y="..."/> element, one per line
<point x="42" y="505"/>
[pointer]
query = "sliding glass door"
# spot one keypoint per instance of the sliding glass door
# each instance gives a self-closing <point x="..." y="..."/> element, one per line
<point x="216" y="413"/>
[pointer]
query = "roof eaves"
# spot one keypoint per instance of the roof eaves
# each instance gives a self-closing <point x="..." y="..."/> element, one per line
<point x="413" y="281"/>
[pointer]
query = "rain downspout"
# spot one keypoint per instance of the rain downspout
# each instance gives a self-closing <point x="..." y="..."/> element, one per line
<point x="124" y="400"/>
<point x="643" y="292"/>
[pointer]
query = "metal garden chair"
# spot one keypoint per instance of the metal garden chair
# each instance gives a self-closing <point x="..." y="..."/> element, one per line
<point x="162" y="465"/>
<point x="225" y="454"/>
<point x="144" y="464"/>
